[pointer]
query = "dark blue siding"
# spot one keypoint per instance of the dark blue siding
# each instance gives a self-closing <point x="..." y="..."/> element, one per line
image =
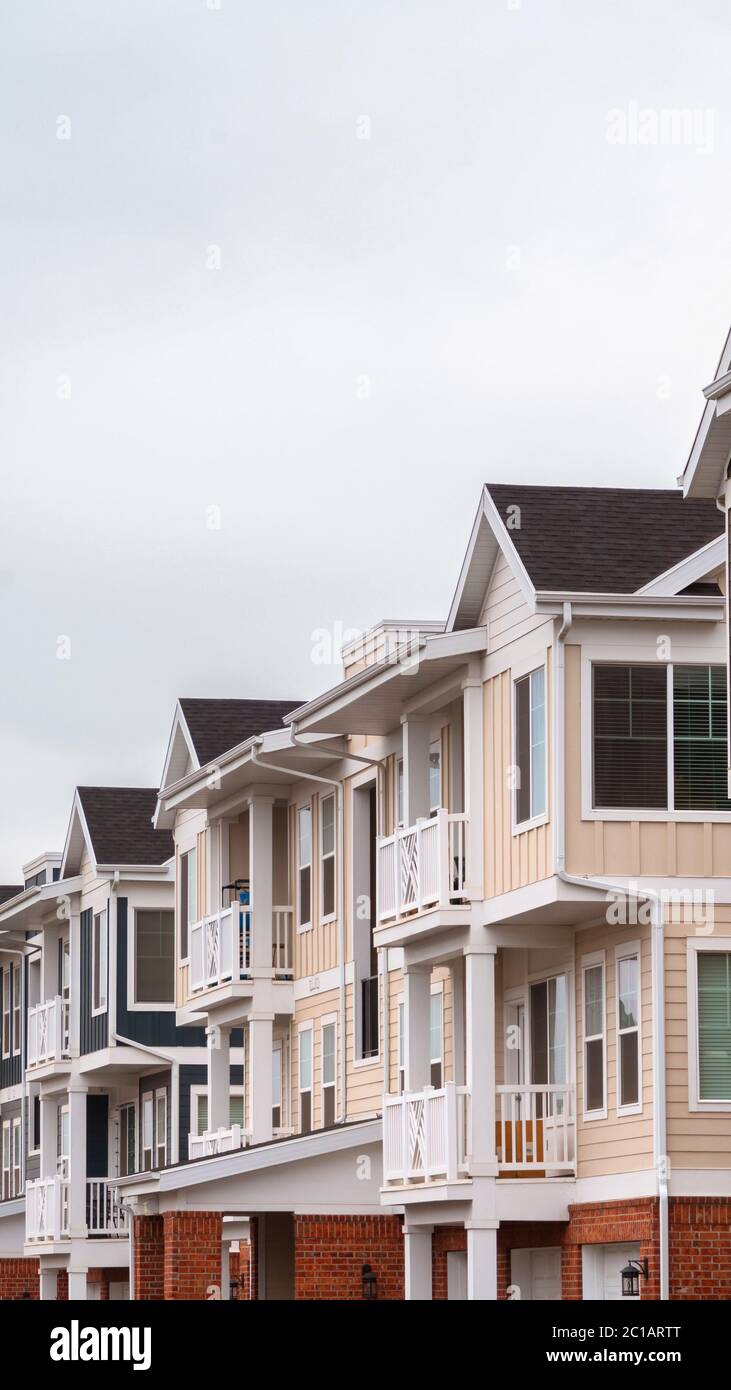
<point x="153" y="1027"/>
<point x="97" y="1136"/>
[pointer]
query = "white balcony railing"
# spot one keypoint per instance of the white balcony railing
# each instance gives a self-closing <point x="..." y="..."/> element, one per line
<point x="535" y="1129"/>
<point x="426" y="1135"/>
<point x="221" y="946"/>
<point x="47" y="1209"/>
<point x="217" y="1141"/>
<point x="422" y="866"/>
<point x="48" y="1031"/>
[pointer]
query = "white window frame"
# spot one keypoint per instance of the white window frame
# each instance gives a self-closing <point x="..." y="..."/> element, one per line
<point x="6" y="1175"/>
<point x="437" y="992"/>
<point x="541" y="818"/>
<point x="133" y="1106"/>
<point x="103" y="918"/>
<point x="591" y="962"/>
<point x="16" y="1021"/>
<point x="331" y="854"/>
<point x="161" y="1098"/>
<point x="721" y="945"/>
<point x="304" y="926"/>
<point x="195" y="1094"/>
<point x="7" y="1019"/>
<point x="133" y="1004"/>
<point x="629" y="950"/>
<point x="303" y="1090"/>
<point x="34" y="1137"/>
<point x="641" y="655"/>
<point x="278" y="1047"/>
<point x="148" y="1098"/>
<point x="328" y="1021"/>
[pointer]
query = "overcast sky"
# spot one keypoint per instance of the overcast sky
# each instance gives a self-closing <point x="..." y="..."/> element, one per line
<point x="324" y="266"/>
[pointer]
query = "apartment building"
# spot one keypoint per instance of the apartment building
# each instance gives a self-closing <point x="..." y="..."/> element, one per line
<point x="443" y="985"/>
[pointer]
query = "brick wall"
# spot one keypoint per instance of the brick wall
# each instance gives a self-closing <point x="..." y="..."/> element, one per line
<point x="149" y="1258"/>
<point x="192" y="1253"/>
<point x="700" y="1248"/>
<point x="601" y="1223"/>
<point x="330" y="1251"/>
<point x="18" y="1277"/>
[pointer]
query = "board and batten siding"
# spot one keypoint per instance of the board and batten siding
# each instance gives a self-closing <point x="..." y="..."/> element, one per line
<point x="152" y="1027"/>
<point x="511" y="861"/>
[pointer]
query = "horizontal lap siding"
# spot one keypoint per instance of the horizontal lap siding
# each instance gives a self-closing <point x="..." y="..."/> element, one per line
<point x="696" y="1139"/>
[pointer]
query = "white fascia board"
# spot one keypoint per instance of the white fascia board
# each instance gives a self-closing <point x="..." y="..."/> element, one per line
<point x="711" y="393"/>
<point x="688" y="571"/>
<point x="464" y="572"/>
<point x="683" y="608"/>
<point x="502" y="535"/>
<point x="77" y="818"/>
<point x="179" y="730"/>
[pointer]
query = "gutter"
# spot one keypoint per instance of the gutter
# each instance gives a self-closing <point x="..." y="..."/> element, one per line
<point x="657" y="942"/>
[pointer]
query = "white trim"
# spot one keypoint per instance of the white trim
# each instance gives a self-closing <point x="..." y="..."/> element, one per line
<point x="710" y="557"/>
<point x="593" y="961"/>
<point x="133" y="1005"/>
<point x="541" y="817"/>
<point x="629" y="950"/>
<point x="502" y="535"/>
<point x="322" y="856"/>
<point x="308" y="1027"/>
<point x="328" y="1021"/>
<point x="161" y="1095"/>
<point x="16" y="1009"/>
<point x="7" y="1013"/>
<point x="721" y="945"/>
<point x="437" y="992"/>
<point x="103" y="917"/>
<point x="303" y="926"/>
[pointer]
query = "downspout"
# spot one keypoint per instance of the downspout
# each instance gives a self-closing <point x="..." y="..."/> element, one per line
<point x="657" y="941"/>
<point x="328" y="782"/>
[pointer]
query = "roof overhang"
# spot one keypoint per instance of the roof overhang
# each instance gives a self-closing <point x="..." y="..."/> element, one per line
<point x="707" y="560"/>
<point x="705" y="471"/>
<point x="28" y="910"/>
<point x="374" y="701"/>
<point x="653" y="607"/>
<point x="489" y="535"/>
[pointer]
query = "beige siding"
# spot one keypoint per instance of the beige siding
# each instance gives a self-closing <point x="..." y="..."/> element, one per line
<point x="696" y="1139"/>
<point x="506" y="614"/>
<point x="511" y="861"/>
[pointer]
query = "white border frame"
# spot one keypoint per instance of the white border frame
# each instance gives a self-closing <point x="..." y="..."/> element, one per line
<point x="133" y="1005"/>
<point x="590" y="962"/>
<point x="520" y="827"/>
<point x="627" y="951"/>
<point x="331" y="916"/>
<point x="327" y="1021"/>
<point x="721" y="945"/>
<point x="98" y="1010"/>
<point x="437" y="990"/>
<point x="135" y="1106"/>
<point x="308" y="1027"/>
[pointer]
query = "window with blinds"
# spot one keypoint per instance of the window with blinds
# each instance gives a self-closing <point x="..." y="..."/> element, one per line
<point x="630" y="736"/>
<point x="714" y="1025"/>
<point x="699" y="739"/>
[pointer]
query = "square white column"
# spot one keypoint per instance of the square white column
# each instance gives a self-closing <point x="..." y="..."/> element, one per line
<point x="77" y="1286"/>
<point x="48" y="1285"/>
<point x="260" y="873"/>
<point x="416" y="769"/>
<point x="77" y="1161"/>
<point x="261" y="1040"/>
<point x="219" y="1077"/>
<point x="417" y="1263"/>
<point x="482" y="1263"/>
<point x="480" y="1058"/>
<point x="49" y="1138"/>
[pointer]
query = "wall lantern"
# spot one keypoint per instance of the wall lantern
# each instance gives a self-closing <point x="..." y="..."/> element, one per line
<point x="370" y="1283"/>
<point x="631" y="1277"/>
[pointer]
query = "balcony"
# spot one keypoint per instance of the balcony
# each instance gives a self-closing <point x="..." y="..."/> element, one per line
<point x="421" y="866"/>
<point x="426" y="1134"/>
<point x="48" y="1032"/>
<point x="217" y="1141"/>
<point x="47" y="1209"/>
<point x="221" y="946"/>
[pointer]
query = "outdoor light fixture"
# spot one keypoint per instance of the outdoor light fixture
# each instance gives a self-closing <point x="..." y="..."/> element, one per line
<point x="631" y="1277"/>
<point x="370" y="1283"/>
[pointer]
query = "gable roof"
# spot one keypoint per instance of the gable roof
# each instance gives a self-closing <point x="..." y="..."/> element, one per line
<point x="603" y="539"/>
<point x="705" y="470"/>
<point x="119" y="825"/>
<point x="215" y="726"/>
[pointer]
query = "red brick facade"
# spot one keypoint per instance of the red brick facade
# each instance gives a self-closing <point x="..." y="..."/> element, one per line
<point x="330" y="1251"/>
<point x="700" y="1248"/>
<point x="192" y="1253"/>
<point x="18" y="1277"/>
<point x="149" y="1258"/>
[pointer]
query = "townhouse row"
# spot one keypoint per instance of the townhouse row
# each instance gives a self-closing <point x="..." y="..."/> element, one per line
<point x="421" y="988"/>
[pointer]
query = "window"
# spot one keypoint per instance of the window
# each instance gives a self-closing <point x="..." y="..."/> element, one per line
<point x="34" y="1120"/>
<point x="188" y="899"/>
<point x="629" y="1099"/>
<point x="6" y="1010"/>
<point x="304" y="867"/>
<point x="16" y="1157"/>
<point x="161" y="1128"/>
<point x="277" y="1087"/>
<point x="16" y="1007"/>
<point x="63" y="1141"/>
<point x="714" y="1025"/>
<point x="99" y="962"/>
<point x="594" y="1040"/>
<point x="148" y="1130"/>
<point x="400" y="791"/>
<point x="530" y="746"/>
<point x="328" y="1074"/>
<point x="699" y="739"/>
<point x="401" y="1047"/>
<point x="327" y="858"/>
<point x="549" y="1019"/>
<point x="7" y="1166"/>
<point x="127" y="1140"/>
<point x="435" y="776"/>
<point x="305" y="1079"/>
<point x="199" y="1108"/>
<point x="436" y="1021"/>
<point x="154" y="966"/>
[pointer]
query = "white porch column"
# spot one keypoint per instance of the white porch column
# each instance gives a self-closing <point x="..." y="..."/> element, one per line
<point x="458" y="1021"/>
<point x="474" y="771"/>
<point x="77" y="1286"/>
<point x="77" y="1161"/>
<point x="261" y="1040"/>
<point x="49" y="1138"/>
<point x="219" y="1077"/>
<point x="260" y="873"/>
<point x="417" y="1263"/>
<point x="49" y="1284"/>
<point x="482" y="1262"/>
<point x="416" y="768"/>
<point x="417" y="1021"/>
<point x="480" y="1057"/>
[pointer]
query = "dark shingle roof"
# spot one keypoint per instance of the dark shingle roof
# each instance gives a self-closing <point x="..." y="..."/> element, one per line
<point x="217" y="725"/>
<point x="603" y="539"/>
<point x="8" y="891"/>
<point x="120" y="825"/>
